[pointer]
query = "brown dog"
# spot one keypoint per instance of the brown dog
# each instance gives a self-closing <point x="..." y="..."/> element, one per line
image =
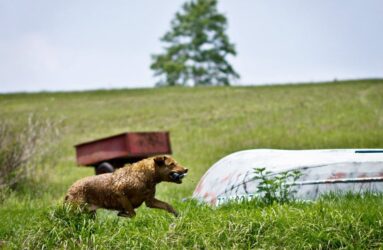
<point x="128" y="187"/>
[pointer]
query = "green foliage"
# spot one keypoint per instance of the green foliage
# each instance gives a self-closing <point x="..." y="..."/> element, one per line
<point x="196" y="48"/>
<point x="276" y="187"/>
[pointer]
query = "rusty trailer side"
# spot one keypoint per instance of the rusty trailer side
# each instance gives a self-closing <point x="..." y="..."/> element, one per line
<point x="123" y="148"/>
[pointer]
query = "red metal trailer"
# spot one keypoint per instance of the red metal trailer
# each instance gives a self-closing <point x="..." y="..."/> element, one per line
<point x="112" y="152"/>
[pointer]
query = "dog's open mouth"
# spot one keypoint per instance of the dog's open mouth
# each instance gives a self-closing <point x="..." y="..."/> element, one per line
<point x="177" y="177"/>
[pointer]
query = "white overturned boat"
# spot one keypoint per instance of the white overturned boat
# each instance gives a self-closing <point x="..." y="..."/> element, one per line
<point x="332" y="170"/>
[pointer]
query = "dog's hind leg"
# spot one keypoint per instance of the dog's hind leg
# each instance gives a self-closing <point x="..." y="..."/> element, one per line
<point x="92" y="209"/>
<point x="128" y="208"/>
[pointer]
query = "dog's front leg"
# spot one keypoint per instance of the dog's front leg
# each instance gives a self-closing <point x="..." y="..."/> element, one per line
<point x="154" y="203"/>
<point x="128" y="208"/>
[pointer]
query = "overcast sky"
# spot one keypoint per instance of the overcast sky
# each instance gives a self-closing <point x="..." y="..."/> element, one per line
<point x="90" y="44"/>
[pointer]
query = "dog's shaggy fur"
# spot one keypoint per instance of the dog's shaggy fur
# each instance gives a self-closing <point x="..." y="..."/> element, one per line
<point x="128" y="187"/>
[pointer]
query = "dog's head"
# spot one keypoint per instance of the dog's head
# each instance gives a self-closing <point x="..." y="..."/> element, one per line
<point x="168" y="169"/>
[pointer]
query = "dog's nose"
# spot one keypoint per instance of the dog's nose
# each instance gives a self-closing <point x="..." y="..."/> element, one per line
<point x="186" y="170"/>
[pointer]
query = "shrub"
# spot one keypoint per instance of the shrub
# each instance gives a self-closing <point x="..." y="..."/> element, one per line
<point x="22" y="149"/>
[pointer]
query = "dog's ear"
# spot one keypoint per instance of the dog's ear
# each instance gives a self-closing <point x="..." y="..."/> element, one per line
<point x="160" y="160"/>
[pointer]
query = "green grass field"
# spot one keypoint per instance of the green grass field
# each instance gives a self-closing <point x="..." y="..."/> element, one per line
<point x="205" y="124"/>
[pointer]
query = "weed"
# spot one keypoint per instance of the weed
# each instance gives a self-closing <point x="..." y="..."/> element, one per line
<point x="276" y="187"/>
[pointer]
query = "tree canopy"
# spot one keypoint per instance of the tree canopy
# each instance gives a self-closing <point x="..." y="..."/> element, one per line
<point x="196" y="48"/>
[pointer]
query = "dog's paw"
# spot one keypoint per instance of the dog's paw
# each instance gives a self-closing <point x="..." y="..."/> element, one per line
<point x="125" y="214"/>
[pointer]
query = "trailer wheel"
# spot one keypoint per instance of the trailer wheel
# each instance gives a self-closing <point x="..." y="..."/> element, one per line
<point x="104" y="168"/>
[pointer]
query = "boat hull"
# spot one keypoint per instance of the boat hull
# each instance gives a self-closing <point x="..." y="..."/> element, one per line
<point x="323" y="171"/>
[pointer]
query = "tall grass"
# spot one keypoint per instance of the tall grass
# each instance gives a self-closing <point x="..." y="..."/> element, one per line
<point x="350" y="221"/>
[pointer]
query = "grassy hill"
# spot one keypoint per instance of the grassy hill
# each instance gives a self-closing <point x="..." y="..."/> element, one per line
<point x="205" y="124"/>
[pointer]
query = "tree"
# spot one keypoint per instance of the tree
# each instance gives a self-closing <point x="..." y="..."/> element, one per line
<point x="196" y="48"/>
